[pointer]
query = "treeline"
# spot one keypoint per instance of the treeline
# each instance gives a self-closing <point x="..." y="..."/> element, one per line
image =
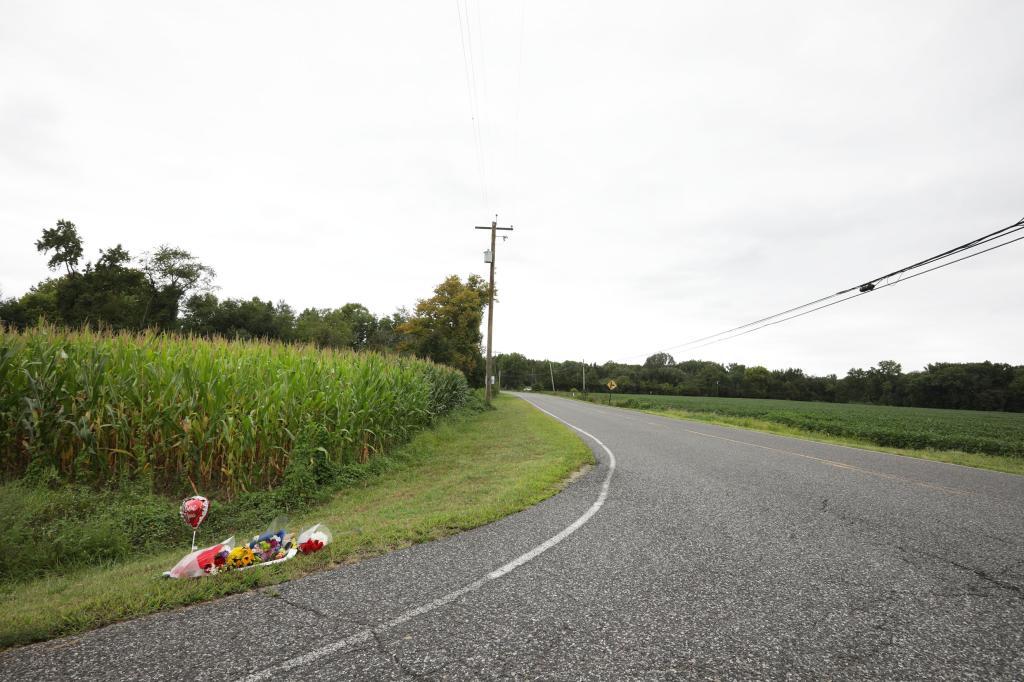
<point x="967" y="386"/>
<point x="169" y="289"/>
<point x="350" y="326"/>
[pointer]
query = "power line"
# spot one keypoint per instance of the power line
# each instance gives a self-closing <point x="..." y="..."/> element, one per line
<point x="1002" y="232"/>
<point x="862" y="293"/>
<point x="476" y="93"/>
<point x="469" y="64"/>
<point x="483" y="56"/>
<point x="870" y="284"/>
<point x="865" y="288"/>
<point x="519" y="96"/>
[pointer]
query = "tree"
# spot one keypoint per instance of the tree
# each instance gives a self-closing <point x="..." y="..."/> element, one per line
<point x="116" y="257"/>
<point x="284" y="322"/>
<point x="199" y="315"/>
<point x="710" y="378"/>
<point x="516" y="370"/>
<point x="660" y="374"/>
<point x="757" y="379"/>
<point x="361" y="322"/>
<point x="108" y="294"/>
<point x="170" y="267"/>
<point x="65" y="243"/>
<point x="204" y="315"/>
<point x="386" y="333"/>
<point x="39" y="303"/>
<point x="326" y="328"/>
<point x="660" y="360"/>
<point x="1015" y="391"/>
<point x="735" y="376"/>
<point x="886" y="382"/>
<point x="446" y="326"/>
<point x="173" y="273"/>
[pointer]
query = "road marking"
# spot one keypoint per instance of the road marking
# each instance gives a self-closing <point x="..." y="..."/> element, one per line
<point x="834" y="463"/>
<point x="367" y="634"/>
<point x="830" y="462"/>
<point x="838" y="465"/>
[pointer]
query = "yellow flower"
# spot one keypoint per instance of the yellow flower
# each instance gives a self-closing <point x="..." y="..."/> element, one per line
<point x="239" y="557"/>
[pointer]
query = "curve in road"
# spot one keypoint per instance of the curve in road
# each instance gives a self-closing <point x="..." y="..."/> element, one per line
<point x="360" y="637"/>
<point x="717" y="553"/>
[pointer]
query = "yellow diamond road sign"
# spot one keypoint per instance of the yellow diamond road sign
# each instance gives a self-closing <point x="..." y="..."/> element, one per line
<point x="612" y="385"/>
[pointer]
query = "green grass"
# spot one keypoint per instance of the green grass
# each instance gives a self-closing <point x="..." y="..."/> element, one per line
<point x="470" y="470"/>
<point x="988" y="440"/>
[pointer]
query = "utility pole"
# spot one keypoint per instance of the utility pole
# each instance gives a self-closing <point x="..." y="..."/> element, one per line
<point x="552" y="377"/>
<point x="489" y="257"/>
<point x="584" y="378"/>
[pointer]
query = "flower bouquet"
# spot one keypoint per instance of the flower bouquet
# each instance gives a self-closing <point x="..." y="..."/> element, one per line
<point x="273" y="546"/>
<point x="201" y="562"/>
<point x="314" y="539"/>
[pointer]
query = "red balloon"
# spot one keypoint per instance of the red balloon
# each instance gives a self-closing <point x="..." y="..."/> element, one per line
<point x="194" y="510"/>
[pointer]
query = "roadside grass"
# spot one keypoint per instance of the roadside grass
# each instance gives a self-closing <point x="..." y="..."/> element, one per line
<point x="470" y="470"/>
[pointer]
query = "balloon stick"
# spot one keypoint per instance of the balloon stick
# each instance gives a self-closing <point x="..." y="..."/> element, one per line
<point x="194" y="539"/>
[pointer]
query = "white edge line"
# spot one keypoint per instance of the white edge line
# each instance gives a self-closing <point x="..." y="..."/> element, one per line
<point x="369" y="633"/>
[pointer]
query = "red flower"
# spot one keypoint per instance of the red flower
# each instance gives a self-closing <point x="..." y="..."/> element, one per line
<point x="310" y="546"/>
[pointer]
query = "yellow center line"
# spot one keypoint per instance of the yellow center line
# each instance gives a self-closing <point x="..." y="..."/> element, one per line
<point x="838" y="465"/>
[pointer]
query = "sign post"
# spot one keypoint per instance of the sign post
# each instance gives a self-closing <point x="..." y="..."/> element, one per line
<point x="611" y="387"/>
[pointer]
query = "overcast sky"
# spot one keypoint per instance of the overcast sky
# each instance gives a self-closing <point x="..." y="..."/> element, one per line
<point x="672" y="169"/>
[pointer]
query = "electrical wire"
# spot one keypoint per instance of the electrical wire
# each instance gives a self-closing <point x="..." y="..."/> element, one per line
<point x="478" y="119"/>
<point x="1010" y="229"/>
<point x="963" y="247"/>
<point x="519" y="96"/>
<point x="862" y="293"/>
<point x="867" y="287"/>
<point x="469" y="64"/>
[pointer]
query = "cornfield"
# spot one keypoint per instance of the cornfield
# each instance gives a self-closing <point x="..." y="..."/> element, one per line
<point x="223" y="415"/>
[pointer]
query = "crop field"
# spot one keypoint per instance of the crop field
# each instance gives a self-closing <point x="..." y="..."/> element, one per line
<point x="99" y="408"/>
<point x="993" y="433"/>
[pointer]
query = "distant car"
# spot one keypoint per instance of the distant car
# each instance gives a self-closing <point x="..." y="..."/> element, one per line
<point x="528" y="388"/>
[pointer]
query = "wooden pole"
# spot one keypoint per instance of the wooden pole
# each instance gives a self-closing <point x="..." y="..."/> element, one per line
<point x="488" y="364"/>
<point x="490" y="317"/>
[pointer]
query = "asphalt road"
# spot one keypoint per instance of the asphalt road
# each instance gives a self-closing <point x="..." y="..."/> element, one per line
<point x="716" y="553"/>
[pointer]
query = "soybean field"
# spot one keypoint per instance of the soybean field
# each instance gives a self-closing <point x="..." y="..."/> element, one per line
<point x="918" y="428"/>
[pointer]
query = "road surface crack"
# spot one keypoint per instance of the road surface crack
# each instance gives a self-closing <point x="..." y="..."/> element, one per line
<point x="981" y="573"/>
<point x="298" y="605"/>
<point x="905" y="555"/>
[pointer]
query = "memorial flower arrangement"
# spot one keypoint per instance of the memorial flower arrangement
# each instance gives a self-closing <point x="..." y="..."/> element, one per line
<point x="275" y="545"/>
